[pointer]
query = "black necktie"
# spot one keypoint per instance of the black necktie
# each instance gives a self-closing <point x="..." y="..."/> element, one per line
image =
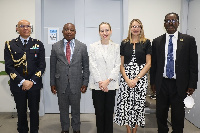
<point x="25" y="43"/>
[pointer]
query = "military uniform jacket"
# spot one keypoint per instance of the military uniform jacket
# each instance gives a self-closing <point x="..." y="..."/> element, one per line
<point x="24" y="62"/>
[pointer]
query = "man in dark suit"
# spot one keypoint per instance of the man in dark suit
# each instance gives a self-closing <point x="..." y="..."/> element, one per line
<point x="174" y="73"/>
<point x="69" y="76"/>
<point x="25" y="64"/>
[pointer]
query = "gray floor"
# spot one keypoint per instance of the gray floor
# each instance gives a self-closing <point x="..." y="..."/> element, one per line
<point x="50" y="123"/>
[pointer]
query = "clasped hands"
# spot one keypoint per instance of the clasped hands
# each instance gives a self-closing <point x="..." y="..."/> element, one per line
<point x="131" y="82"/>
<point x="103" y="85"/>
<point x="27" y="85"/>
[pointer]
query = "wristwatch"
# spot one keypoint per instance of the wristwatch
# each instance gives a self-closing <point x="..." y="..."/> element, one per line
<point x="138" y="77"/>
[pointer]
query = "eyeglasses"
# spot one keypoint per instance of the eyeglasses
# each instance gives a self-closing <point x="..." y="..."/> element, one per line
<point x="167" y="21"/>
<point x="136" y="26"/>
<point x="25" y="26"/>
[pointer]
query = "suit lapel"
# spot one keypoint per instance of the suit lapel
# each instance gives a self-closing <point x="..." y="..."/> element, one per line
<point x="100" y="47"/>
<point x="61" y="50"/>
<point x="19" y="43"/>
<point x="29" y="44"/>
<point x="179" y="45"/>
<point x="162" y="48"/>
<point x="110" y="51"/>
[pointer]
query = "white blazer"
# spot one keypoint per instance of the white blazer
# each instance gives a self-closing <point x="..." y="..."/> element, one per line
<point x="104" y="66"/>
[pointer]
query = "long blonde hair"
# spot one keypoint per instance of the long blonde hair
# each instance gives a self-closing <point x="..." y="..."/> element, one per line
<point x="142" y="36"/>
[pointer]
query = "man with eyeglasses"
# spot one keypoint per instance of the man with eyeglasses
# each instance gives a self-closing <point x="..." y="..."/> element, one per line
<point x="69" y="76"/>
<point x="25" y="63"/>
<point x="174" y="73"/>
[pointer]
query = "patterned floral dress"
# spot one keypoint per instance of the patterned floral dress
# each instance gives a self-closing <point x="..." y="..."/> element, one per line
<point x="131" y="101"/>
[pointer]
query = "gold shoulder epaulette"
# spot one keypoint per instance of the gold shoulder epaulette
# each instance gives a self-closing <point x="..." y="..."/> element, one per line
<point x="36" y="40"/>
<point x="6" y="43"/>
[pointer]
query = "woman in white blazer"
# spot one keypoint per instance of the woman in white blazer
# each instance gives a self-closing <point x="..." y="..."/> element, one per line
<point x="104" y="65"/>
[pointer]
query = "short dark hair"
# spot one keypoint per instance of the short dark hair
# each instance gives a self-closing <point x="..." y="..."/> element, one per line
<point x="174" y="14"/>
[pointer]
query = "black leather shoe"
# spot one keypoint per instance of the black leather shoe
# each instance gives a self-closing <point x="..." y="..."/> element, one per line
<point x="34" y="132"/>
<point x="77" y="131"/>
<point x="65" y="132"/>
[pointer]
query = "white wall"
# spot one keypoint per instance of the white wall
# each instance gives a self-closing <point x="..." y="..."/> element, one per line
<point x="152" y="13"/>
<point x="11" y="11"/>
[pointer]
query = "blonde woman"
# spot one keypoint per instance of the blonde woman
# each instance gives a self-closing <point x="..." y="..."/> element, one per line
<point x="135" y="53"/>
<point x="104" y="65"/>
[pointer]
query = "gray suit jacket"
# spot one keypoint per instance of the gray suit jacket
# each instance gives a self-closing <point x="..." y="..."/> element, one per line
<point x="62" y="73"/>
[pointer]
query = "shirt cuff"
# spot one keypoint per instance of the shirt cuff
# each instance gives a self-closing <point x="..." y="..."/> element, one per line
<point x="33" y="81"/>
<point x="20" y="84"/>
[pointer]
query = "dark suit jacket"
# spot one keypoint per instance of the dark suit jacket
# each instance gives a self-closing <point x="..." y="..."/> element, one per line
<point x="186" y="64"/>
<point x="141" y="50"/>
<point x="35" y="62"/>
<point x="61" y="72"/>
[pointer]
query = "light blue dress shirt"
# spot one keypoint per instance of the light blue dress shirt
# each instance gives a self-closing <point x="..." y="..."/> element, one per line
<point x="72" y="46"/>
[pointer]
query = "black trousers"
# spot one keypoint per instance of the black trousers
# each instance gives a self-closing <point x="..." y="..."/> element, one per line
<point x="104" y="103"/>
<point x="33" y="98"/>
<point x="168" y="96"/>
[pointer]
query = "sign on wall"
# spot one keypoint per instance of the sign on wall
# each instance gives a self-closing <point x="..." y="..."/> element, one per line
<point x="53" y="35"/>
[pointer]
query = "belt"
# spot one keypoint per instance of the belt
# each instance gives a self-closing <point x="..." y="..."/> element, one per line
<point x="169" y="78"/>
